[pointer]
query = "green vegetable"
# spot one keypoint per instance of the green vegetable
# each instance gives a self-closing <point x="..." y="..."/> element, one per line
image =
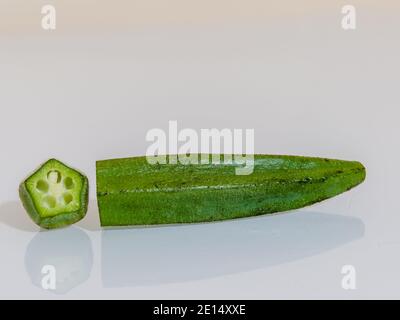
<point x="132" y="191"/>
<point x="55" y="195"/>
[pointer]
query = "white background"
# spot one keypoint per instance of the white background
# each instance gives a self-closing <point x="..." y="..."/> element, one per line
<point x="92" y="88"/>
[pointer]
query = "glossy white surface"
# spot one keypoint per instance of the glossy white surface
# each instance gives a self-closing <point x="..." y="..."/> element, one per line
<point x="305" y="85"/>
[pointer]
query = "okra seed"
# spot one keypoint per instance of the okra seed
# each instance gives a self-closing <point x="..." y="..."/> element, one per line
<point x="67" y="198"/>
<point x="68" y="183"/>
<point x="54" y="176"/>
<point x="50" y="201"/>
<point x="42" y="186"/>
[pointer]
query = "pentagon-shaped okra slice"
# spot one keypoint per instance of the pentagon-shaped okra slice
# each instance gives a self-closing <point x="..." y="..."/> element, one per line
<point x="55" y="195"/>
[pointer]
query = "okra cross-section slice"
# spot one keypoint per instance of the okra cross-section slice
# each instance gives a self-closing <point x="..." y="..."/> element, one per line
<point x="55" y="195"/>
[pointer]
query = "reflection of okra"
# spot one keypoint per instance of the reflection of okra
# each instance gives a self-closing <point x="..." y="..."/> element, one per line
<point x="55" y="195"/>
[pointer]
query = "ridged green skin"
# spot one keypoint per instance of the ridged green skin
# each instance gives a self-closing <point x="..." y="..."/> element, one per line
<point x="131" y="191"/>
<point x="63" y="218"/>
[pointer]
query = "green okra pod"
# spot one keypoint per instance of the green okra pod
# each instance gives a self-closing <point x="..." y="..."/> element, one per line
<point x="132" y="191"/>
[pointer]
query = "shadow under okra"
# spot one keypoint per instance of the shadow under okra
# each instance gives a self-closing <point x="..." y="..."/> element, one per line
<point x="168" y="254"/>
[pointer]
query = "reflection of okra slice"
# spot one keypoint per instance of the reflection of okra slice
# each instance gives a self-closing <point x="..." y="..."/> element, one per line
<point x="55" y="195"/>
